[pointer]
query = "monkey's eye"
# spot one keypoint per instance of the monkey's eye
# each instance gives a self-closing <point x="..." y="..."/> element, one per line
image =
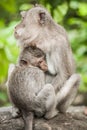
<point x="23" y="62"/>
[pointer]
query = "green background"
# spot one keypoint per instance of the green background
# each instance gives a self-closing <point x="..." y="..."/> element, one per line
<point x="72" y="14"/>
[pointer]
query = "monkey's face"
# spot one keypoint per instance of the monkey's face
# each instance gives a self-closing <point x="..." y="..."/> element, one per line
<point x="34" y="61"/>
<point x="32" y="25"/>
<point x="31" y="56"/>
<point x="27" y="59"/>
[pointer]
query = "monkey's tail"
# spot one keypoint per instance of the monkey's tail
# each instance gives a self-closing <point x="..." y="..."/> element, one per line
<point x="29" y="121"/>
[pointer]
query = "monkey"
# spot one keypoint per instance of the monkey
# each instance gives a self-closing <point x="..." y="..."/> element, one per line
<point x="37" y="28"/>
<point x="27" y="88"/>
<point x="33" y="56"/>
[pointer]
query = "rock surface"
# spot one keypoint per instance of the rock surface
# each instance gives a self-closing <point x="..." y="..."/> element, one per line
<point x="73" y="120"/>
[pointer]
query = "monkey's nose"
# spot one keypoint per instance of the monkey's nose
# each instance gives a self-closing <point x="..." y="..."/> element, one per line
<point x="18" y="32"/>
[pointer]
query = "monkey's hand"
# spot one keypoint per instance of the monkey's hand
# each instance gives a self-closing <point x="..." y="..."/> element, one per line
<point x="43" y="66"/>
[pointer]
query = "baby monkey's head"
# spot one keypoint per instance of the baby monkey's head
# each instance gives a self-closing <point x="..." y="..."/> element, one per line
<point x="33" y="56"/>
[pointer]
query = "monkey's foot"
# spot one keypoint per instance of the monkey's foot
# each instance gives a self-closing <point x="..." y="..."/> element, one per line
<point x="46" y="126"/>
<point x="51" y="114"/>
<point x="15" y="112"/>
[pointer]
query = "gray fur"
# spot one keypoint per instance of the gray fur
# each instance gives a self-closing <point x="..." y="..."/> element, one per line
<point x="28" y="90"/>
<point x="38" y="29"/>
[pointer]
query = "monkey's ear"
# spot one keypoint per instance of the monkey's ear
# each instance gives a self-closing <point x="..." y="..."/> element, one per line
<point x="23" y="13"/>
<point x="42" y="17"/>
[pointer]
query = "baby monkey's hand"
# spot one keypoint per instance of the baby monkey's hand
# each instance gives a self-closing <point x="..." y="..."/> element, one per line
<point x="43" y="66"/>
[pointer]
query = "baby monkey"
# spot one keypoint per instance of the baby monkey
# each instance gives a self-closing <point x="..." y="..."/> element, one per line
<point x="28" y="89"/>
<point x="34" y="57"/>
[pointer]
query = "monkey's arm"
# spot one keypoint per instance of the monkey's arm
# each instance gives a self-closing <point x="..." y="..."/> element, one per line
<point x="10" y="70"/>
<point x="57" y="82"/>
<point x="68" y="92"/>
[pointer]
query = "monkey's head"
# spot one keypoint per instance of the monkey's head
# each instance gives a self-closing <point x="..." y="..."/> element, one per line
<point x="33" y="56"/>
<point x="33" y="26"/>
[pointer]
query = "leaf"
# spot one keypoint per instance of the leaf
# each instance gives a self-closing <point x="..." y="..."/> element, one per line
<point x="82" y="10"/>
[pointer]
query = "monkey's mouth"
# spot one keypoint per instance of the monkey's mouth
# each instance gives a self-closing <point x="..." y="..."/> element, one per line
<point x="16" y="35"/>
<point x="25" y="39"/>
<point x="20" y="37"/>
<point x="23" y="63"/>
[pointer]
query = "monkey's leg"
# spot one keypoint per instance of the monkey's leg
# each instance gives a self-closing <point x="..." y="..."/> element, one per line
<point x="68" y="92"/>
<point x="47" y="95"/>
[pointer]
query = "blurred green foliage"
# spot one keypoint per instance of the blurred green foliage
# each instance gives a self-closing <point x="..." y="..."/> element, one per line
<point x="72" y="14"/>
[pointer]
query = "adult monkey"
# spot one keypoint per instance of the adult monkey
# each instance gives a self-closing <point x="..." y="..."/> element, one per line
<point x="37" y="27"/>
